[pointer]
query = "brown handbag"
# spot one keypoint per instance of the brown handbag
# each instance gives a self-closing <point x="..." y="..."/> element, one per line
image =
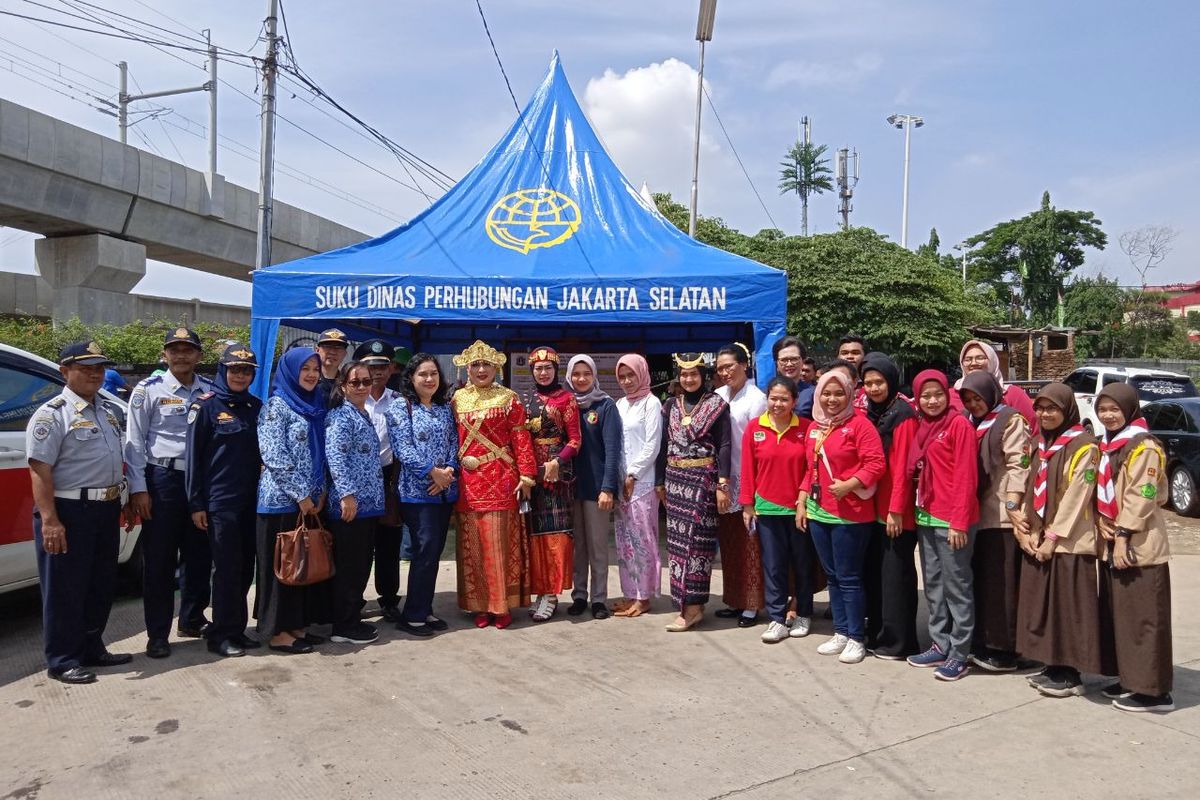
<point x="304" y="556"/>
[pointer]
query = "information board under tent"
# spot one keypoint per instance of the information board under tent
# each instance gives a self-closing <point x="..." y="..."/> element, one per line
<point x="543" y="241"/>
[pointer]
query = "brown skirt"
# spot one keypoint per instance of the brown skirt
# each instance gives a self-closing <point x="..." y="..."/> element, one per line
<point x="491" y="561"/>
<point x="741" y="563"/>
<point x="1137" y="602"/>
<point x="1058" y="612"/>
<point x="997" y="566"/>
<point x="551" y="563"/>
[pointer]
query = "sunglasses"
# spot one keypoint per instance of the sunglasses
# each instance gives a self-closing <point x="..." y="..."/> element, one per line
<point x="358" y="383"/>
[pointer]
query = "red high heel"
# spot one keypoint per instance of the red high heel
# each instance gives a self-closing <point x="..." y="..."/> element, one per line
<point x="482" y="620"/>
<point x="503" y="621"/>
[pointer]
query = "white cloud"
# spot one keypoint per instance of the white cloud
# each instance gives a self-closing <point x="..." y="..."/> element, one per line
<point x="824" y="73"/>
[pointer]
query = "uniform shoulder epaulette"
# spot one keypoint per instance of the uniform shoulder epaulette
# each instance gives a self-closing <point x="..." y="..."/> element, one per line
<point x="57" y="402"/>
<point x="153" y="379"/>
<point x="205" y="396"/>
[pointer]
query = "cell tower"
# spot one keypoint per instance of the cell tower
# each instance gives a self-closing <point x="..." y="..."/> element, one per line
<point x="847" y="179"/>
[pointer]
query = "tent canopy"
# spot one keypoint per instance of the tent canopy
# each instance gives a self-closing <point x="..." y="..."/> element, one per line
<point x="543" y="241"/>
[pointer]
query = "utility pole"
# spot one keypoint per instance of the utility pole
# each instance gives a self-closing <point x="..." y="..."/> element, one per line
<point x="905" y="122"/>
<point x="804" y="134"/>
<point x="266" y="157"/>
<point x="704" y="32"/>
<point x="847" y="179"/>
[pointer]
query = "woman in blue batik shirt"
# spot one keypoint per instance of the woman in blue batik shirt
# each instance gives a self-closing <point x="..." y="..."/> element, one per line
<point x="355" y="499"/>
<point x="425" y="441"/>
<point x="291" y="440"/>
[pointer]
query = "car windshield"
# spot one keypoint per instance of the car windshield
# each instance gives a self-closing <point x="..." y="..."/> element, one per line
<point x="1155" y="387"/>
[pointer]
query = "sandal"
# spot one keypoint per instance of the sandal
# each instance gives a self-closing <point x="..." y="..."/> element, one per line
<point x="547" y="604"/>
<point x="636" y="610"/>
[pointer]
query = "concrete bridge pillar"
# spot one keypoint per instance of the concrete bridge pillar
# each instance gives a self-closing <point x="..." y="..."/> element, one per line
<point x="91" y="276"/>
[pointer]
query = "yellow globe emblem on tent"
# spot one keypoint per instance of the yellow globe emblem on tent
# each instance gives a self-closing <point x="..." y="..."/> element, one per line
<point x="532" y="218"/>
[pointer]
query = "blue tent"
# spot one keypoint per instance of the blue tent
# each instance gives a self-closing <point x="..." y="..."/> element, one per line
<point x="544" y="241"/>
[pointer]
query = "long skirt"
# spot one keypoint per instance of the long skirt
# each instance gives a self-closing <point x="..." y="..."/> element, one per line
<point x="491" y="561"/>
<point x="551" y="562"/>
<point x="279" y="607"/>
<point x="1137" y="602"/>
<point x="1058" y="612"/>
<point x="636" y="533"/>
<point x="691" y="532"/>
<point x="997" y="567"/>
<point x="741" y="563"/>
<point x="892" y="609"/>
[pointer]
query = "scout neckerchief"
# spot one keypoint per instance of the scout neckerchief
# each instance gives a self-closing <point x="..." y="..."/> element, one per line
<point x="987" y="422"/>
<point x="1044" y="456"/>
<point x="1106" y="494"/>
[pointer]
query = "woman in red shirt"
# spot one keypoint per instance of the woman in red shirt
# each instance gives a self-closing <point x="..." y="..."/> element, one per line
<point x="773" y="470"/>
<point x="943" y="463"/>
<point x="845" y="461"/>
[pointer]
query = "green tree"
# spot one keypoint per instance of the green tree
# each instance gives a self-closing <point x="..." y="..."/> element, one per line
<point x="1096" y="306"/>
<point x="1039" y="251"/>
<point x="930" y="249"/>
<point x="806" y="172"/>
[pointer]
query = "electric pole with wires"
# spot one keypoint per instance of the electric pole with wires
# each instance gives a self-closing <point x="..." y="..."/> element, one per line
<point x="266" y="165"/>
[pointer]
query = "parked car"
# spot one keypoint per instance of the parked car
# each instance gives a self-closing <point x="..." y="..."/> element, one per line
<point x="1176" y="423"/>
<point x="27" y="381"/>
<point x="1151" y="385"/>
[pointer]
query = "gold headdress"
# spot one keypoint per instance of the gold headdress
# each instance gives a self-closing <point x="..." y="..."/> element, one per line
<point x="683" y="363"/>
<point x="480" y="351"/>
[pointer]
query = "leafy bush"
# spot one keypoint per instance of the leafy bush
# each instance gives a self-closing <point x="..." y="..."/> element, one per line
<point x="135" y="343"/>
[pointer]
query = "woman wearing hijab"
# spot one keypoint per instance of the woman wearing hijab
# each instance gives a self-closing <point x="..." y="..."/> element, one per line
<point x="844" y="462"/>
<point x="356" y="499"/>
<point x="943" y="464"/>
<point x="498" y="469"/>
<point x="291" y="441"/>
<point x="692" y="480"/>
<point x="1135" y="583"/>
<point x="597" y="481"/>
<point x="636" y="524"/>
<point x="741" y="558"/>
<point x="554" y="425"/>
<point x="979" y="356"/>
<point x="1003" y="439"/>
<point x="1058" y="610"/>
<point x="891" y="571"/>
<point x="222" y="475"/>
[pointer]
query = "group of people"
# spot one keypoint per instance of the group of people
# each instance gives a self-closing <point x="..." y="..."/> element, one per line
<point x="1038" y="541"/>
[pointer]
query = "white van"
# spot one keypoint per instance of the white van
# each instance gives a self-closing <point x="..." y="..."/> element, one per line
<point x="1151" y="384"/>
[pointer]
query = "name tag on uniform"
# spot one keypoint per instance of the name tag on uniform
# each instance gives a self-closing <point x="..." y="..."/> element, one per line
<point x="224" y="416"/>
<point x="171" y="401"/>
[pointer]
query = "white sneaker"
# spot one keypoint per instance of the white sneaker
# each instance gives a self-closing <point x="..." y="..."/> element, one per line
<point x="775" y="632"/>
<point x="834" y="646"/>
<point x="800" y="627"/>
<point x="853" y="652"/>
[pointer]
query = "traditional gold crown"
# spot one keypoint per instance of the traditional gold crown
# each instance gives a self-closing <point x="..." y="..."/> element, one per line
<point x="543" y="354"/>
<point x="698" y="361"/>
<point x="480" y="351"/>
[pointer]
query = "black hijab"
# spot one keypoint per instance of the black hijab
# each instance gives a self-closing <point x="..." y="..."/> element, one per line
<point x="895" y="409"/>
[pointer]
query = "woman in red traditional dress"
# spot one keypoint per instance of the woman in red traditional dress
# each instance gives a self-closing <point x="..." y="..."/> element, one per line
<point x="498" y="467"/>
<point x="554" y="424"/>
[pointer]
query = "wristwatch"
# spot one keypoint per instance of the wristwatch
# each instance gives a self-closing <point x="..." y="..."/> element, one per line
<point x="1011" y="505"/>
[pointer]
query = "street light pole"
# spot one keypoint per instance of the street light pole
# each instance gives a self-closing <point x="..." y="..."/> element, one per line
<point x="704" y="30"/>
<point x="907" y="122"/>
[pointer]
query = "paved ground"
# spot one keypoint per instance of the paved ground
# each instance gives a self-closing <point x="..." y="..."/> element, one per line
<point x="612" y="709"/>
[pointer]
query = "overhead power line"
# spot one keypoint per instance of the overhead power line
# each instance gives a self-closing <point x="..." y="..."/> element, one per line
<point x="733" y="149"/>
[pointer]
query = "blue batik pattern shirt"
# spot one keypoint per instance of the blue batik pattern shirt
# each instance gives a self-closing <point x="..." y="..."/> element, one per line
<point x="288" y="473"/>
<point x="352" y="450"/>
<point x="423" y="438"/>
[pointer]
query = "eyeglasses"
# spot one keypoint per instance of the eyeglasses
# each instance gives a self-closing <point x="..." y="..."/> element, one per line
<point x="358" y="383"/>
<point x="975" y="360"/>
<point x="789" y="360"/>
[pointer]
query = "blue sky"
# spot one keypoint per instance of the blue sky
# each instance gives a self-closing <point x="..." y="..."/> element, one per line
<point x="1098" y="105"/>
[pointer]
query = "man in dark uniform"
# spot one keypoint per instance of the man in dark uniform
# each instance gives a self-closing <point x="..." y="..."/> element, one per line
<point x="74" y="449"/>
<point x="155" y="454"/>
<point x="332" y="346"/>
<point x="222" y="482"/>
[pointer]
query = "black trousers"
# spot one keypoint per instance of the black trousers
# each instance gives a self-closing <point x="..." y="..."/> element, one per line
<point x="428" y="524"/>
<point x="891" y="583"/>
<point x="388" y="542"/>
<point x="785" y="552"/>
<point x="78" y="585"/>
<point x="170" y="541"/>
<point x="353" y="543"/>
<point x="231" y="538"/>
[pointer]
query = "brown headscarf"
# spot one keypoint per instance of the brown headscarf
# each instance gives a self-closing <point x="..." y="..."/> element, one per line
<point x="1126" y="398"/>
<point x="1060" y="395"/>
<point x="991" y="449"/>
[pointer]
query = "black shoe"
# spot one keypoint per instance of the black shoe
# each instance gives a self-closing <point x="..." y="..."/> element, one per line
<point x="415" y="628"/>
<point x="747" y="622"/>
<point x="1115" y="691"/>
<point x="362" y="633"/>
<point x="107" y="659"/>
<point x="994" y="662"/>
<point x="72" y="675"/>
<point x="191" y="631"/>
<point x="297" y="647"/>
<point x="1024" y="664"/>
<point x="245" y="642"/>
<point x="437" y="624"/>
<point x="578" y="606"/>
<point x="158" y="648"/>
<point x="728" y="613"/>
<point x="1062" y="682"/>
<point x="599" y="611"/>
<point x="391" y="613"/>
<point x="1144" y="702"/>
<point x="226" y="649"/>
<point x="314" y="639"/>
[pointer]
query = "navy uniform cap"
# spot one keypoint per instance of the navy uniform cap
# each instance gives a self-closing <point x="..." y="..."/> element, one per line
<point x="374" y="351"/>
<point x="236" y="355"/>
<point x="182" y="335"/>
<point x="333" y="336"/>
<point x="86" y="353"/>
